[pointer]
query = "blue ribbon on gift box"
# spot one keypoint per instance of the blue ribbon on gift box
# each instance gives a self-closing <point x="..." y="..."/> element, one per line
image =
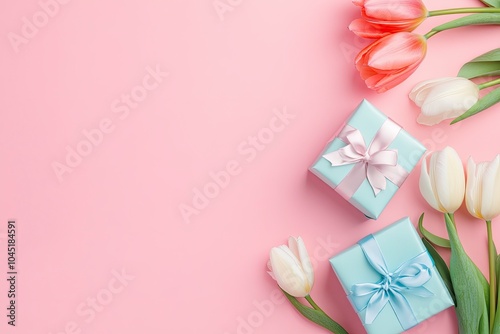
<point x="409" y="278"/>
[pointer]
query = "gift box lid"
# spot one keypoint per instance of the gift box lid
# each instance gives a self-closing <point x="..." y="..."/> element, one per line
<point x="368" y="120"/>
<point x="398" y="243"/>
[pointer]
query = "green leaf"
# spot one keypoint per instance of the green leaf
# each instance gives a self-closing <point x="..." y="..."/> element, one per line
<point x="485" y="102"/>
<point x="472" y="311"/>
<point x="486" y="64"/>
<point x="441" y="267"/>
<point x="480" y="69"/>
<point x="498" y="269"/>
<point x="438" y="241"/>
<point x="474" y="19"/>
<point x="485" y="285"/>
<point x="316" y="316"/>
<point x="493" y="55"/>
<point x="492" y="3"/>
<point x="496" y="324"/>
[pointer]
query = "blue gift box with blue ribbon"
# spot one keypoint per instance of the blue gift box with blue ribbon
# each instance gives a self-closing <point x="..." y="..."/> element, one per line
<point x="368" y="160"/>
<point x="391" y="280"/>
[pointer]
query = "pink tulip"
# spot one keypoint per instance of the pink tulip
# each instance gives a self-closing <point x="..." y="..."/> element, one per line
<point x="383" y="17"/>
<point x="388" y="61"/>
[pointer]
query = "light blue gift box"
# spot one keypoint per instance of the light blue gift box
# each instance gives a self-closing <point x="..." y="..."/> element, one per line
<point x="368" y="120"/>
<point x="396" y="246"/>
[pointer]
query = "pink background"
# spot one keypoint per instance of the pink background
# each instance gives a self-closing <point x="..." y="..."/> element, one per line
<point x="119" y="208"/>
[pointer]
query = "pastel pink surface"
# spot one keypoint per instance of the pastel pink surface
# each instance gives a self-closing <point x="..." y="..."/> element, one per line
<point x="120" y="207"/>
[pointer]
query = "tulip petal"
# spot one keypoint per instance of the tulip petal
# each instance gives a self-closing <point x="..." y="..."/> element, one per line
<point x="292" y="245"/>
<point x="397" y="51"/>
<point x="393" y="26"/>
<point x="367" y="73"/>
<point x="360" y="58"/>
<point x="443" y="98"/>
<point x="305" y="261"/>
<point x="434" y="119"/>
<point x="293" y="258"/>
<point x="288" y="273"/>
<point x="420" y="91"/>
<point x="363" y="28"/>
<point x="452" y="99"/>
<point x="392" y="11"/>
<point x="270" y="270"/>
<point x="382" y="83"/>
<point x="478" y="200"/>
<point x="470" y="189"/>
<point x="438" y="171"/>
<point x="434" y="175"/>
<point x="450" y="180"/>
<point x="390" y="60"/>
<point x="382" y="18"/>
<point x="474" y="187"/>
<point x="426" y="186"/>
<point x="496" y="190"/>
<point x="490" y="207"/>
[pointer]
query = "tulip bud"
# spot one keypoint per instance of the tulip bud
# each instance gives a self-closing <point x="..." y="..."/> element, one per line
<point x="443" y="98"/>
<point x="483" y="189"/>
<point x="390" y="60"/>
<point x="384" y="17"/>
<point x="442" y="184"/>
<point x="291" y="267"/>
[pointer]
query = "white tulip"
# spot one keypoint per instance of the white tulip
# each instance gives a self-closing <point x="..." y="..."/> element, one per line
<point x="291" y="267"/>
<point x="443" y="98"/>
<point x="443" y="183"/>
<point x="483" y="189"/>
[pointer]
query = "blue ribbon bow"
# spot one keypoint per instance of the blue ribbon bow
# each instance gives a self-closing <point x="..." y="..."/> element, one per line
<point x="409" y="278"/>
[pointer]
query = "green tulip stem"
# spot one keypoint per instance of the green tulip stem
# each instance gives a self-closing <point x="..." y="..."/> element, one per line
<point x="482" y="16"/>
<point x="324" y="319"/>
<point x="430" y="34"/>
<point x="463" y="11"/>
<point x="492" y="259"/>
<point x="313" y="304"/>
<point x="489" y="84"/>
<point x="452" y="218"/>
